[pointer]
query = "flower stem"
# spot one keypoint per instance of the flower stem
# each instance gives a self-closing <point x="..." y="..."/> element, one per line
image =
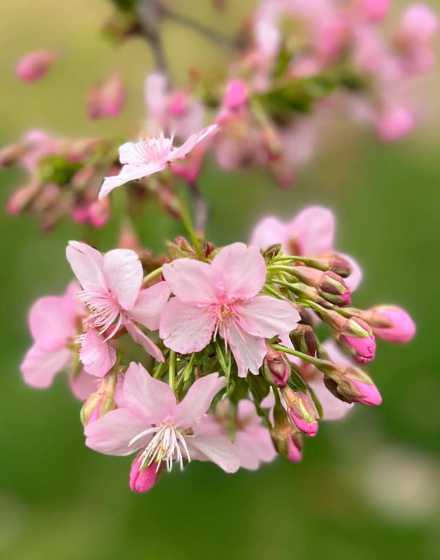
<point x="320" y="364"/>
<point x="152" y="275"/>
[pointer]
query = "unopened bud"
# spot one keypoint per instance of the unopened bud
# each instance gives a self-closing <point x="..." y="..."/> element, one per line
<point x="106" y="99"/>
<point x="34" y="65"/>
<point x="302" y="411"/>
<point x="391" y="323"/>
<point x="330" y="285"/>
<point x="358" y="338"/>
<point x="100" y="402"/>
<point x="287" y="441"/>
<point x="143" y="478"/>
<point x="353" y="385"/>
<point x="236" y="95"/>
<point x="304" y="339"/>
<point x="276" y="368"/>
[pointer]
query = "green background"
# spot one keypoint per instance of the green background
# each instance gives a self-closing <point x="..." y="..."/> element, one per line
<point x="369" y="488"/>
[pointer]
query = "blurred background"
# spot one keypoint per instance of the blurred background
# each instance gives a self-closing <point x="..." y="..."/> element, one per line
<point x="369" y="487"/>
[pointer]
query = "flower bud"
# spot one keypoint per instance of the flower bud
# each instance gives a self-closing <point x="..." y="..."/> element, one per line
<point x="236" y="95"/>
<point x="391" y="323"/>
<point x="358" y="338"/>
<point x="302" y="411"/>
<point x="287" y="441"/>
<point x="100" y="402"/>
<point x="394" y="123"/>
<point x="353" y="385"/>
<point x="304" y="340"/>
<point x="106" y="99"/>
<point x="294" y="448"/>
<point x="374" y="10"/>
<point x="34" y="66"/>
<point x="330" y="285"/>
<point x="276" y="368"/>
<point x="142" y="479"/>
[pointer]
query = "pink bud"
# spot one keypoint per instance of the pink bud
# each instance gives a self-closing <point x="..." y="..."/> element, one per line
<point x="368" y="393"/>
<point x="374" y="10"/>
<point x="395" y="123"/>
<point x="178" y="104"/>
<point x="359" y="340"/>
<point x="353" y="385"/>
<point x="236" y="95"/>
<point x="106" y="99"/>
<point x="35" y="65"/>
<point x="302" y="411"/>
<point x="276" y="367"/>
<point x="294" y="450"/>
<point x="401" y="327"/>
<point x="142" y="479"/>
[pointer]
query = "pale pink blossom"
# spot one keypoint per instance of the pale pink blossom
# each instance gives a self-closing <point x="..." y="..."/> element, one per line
<point x="53" y="325"/>
<point x="394" y="122"/>
<point x="374" y="10"/>
<point x="310" y="233"/>
<point x="223" y="297"/>
<point x="144" y="158"/>
<point x="112" y="291"/>
<point x="106" y="99"/>
<point x="162" y="430"/>
<point x="33" y="66"/>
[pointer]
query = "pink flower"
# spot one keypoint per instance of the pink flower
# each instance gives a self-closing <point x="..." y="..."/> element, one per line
<point x="34" y="65"/>
<point x="53" y="325"/>
<point x="106" y="99"/>
<point x="236" y="95"/>
<point x="144" y="158"/>
<point x="401" y="327"/>
<point x="223" y="297"/>
<point x="163" y="431"/>
<point x="112" y="291"/>
<point x="394" y="122"/>
<point x="374" y="10"/>
<point x="309" y="233"/>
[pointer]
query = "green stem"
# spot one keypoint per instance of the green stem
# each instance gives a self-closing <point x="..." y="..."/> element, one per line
<point x="172" y="370"/>
<point x="152" y="275"/>
<point x="321" y="364"/>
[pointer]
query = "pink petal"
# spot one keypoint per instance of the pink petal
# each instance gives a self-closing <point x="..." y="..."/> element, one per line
<point x="129" y="173"/>
<point x="314" y="230"/>
<point x="267" y="316"/>
<point x="254" y="446"/>
<point x="52" y="322"/>
<point x="149" y="398"/>
<point x="267" y="232"/>
<point x="83" y="385"/>
<point x="130" y="154"/>
<point x="215" y="448"/>
<point x="190" y="280"/>
<point x="193" y="141"/>
<point x="141" y="338"/>
<point x="186" y="328"/>
<point x="39" y="366"/>
<point x="97" y="356"/>
<point x="111" y="434"/>
<point x="149" y="305"/>
<point x="248" y="350"/>
<point x="198" y="399"/>
<point x="124" y="274"/>
<point x="239" y="272"/>
<point x="87" y="264"/>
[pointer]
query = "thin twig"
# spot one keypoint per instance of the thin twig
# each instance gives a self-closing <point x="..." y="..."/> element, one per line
<point x="200" y="207"/>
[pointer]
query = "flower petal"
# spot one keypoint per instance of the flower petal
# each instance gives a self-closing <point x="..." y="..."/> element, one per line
<point x="147" y="397"/>
<point x="313" y="230"/>
<point x="149" y="305"/>
<point x="186" y="328"/>
<point x="248" y="350"/>
<point x="190" y="280"/>
<point x="193" y="141"/>
<point x="239" y="272"/>
<point x="269" y="231"/>
<point x="51" y="322"/>
<point x="215" y="448"/>
<point x="141" y="338"/>
<point x="198" y="399"/>
<point x="267" y="316"/>
<point x="129" y="173"/>
<point x="111" y="434"/>
<point x="83" y="385"/>
<point x="39" y="366"/>
<point x="97" y="356"/>
<point x="86" y="263"/>
<point x="356" y="275"/>
<point x="124" y="274"/>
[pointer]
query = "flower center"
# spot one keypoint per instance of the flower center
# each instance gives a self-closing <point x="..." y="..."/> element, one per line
<point x="156" y="149"/>
<point x="168" y="444"/>
<point x="104" y="311"/>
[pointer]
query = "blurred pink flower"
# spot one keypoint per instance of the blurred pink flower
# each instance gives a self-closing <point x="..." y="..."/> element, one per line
<point x="112" y="291"/>
<point x="33" y="66"/>
<point x="309" y="233"/>
<point x="223" y="297"/>
<point x="53" y="325"/>
<point x="151" y="420"/>
<point x="144" y="158"/>
<point x="106" y="99"/>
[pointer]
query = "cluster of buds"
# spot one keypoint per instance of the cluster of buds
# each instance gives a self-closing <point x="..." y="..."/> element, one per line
<point x="231" y="368"/>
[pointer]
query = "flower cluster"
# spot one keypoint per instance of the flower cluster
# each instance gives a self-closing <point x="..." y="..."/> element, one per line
<point x="297" y="63"/>
<point x="214" y="355"/>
